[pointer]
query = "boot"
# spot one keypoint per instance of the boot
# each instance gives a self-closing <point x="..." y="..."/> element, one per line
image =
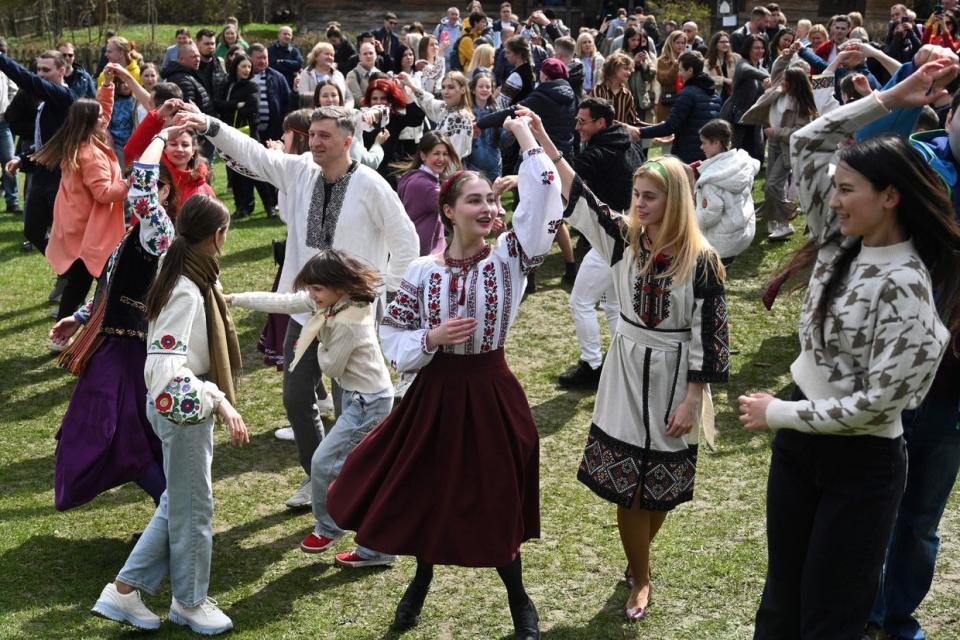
<point x="408" y="609"/>
<point x="526" y="622"/>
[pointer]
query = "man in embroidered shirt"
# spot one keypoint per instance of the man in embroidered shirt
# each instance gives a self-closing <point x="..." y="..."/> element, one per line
<point x="333" y="202"/>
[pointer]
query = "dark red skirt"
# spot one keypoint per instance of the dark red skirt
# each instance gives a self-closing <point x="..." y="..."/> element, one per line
<point x="274" y="331"/>
<point x="452" y="475"/>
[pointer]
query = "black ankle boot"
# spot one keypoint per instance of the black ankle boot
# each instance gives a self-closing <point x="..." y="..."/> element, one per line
<point x="409" y="607"/>
<point x="526" y="622"/>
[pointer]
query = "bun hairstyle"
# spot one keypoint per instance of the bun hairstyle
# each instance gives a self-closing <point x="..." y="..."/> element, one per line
<point x="450" y="191"/>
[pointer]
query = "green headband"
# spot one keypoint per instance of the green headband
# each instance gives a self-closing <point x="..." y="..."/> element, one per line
<point x="656" y="166"/>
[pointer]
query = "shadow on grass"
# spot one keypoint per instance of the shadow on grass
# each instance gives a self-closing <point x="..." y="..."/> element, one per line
<point x="245" y="256"/>
<point x="553" y="414"/>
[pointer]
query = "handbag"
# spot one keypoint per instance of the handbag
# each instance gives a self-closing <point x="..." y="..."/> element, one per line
<point x="245" y="129"/>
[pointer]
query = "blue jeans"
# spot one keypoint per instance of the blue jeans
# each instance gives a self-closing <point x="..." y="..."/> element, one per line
<point x="933" y="454"/>
<point x="485" y="158"/>
<point x="359" y="414"/>
<point x="6" y="153"/>
<point x="179" y="538"/>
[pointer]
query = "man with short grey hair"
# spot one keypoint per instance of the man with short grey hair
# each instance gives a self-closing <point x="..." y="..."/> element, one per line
<point x="332" y="202"/>
<point x="183" y="73"/>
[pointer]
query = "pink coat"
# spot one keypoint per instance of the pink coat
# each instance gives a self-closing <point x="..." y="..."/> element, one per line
<point x="88" y="212"/>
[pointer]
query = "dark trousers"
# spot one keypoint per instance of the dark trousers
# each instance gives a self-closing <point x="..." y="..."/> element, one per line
<point x="38" y="213"/>
<point x="76" y="289"/>
<point x="300" y="388"/>
<point x="831" y="505"/>
<point x="243" y="188"/>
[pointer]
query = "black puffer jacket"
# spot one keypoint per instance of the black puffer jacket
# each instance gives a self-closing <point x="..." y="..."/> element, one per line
<point x="696" y="105"/>
<point x="606" y="164"/>
<point x="190" y="84"/>
<point x="554" y="102"/>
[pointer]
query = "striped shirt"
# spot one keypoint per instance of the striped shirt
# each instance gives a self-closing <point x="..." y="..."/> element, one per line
<point x="622" y="101"/>
<point x="264" y="106"/>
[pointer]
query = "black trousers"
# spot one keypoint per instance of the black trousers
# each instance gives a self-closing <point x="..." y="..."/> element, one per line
<point x="38" y="213"/>
<point x="243" y="188"/>
<point x="76" y="289"/>
<point x="831" y="505"/>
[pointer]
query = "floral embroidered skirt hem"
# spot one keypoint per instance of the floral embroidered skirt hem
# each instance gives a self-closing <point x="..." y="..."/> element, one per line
<point x="105" y="439"/>
<point x="451" y="476"/>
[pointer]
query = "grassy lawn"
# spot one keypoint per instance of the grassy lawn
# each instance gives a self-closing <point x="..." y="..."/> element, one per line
<point x="164" y="34"/>
<point x="708" y="561"/>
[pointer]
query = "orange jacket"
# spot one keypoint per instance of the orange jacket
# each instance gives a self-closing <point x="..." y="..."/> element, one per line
<point x="88" y="211"/>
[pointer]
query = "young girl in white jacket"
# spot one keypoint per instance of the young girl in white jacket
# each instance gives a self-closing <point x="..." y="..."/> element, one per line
<point x="341" y="293"/>
<point x="723" y="192"/>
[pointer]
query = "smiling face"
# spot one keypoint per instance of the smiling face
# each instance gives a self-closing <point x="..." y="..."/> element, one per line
<point x="324" y="58"/>
<point x="624" y="72"/>
<point x="483" y="89"/>
<point x="259" y="60"/>
<point x="329" y="96"/>
<point x="180" y="150"/>
<point x="816" y="39"/>
<point x="229" y="35"/>
<point x="757" y="51"/>
<point x="324" y="296"/>
<point x="327" y="142"/>
<point x="723" y="45"/>
<point x="649" y="202"/>
<point x="436" y="159"/>
<point x="148" y="78"/>
<point x="451" y="92"/>
<point x="244" y="69"/>
<point x="285" y="35"/>
<point x="862" y="210"/>
<point x="116" y="54"/>
<point x="474" y="211"/>
<point x="785" y="41"/>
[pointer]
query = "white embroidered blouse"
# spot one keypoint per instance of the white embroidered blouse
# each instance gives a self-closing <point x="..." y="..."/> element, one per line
<point x="430" y="294"/>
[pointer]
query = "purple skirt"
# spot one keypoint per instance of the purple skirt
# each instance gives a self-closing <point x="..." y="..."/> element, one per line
<point x="274" y="331"/>
<point x="105" y="439"/>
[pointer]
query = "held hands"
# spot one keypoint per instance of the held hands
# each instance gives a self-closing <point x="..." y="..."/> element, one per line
<point x="169" y="107"/>
<point x="64" y="330"/>
<point x="753" y="411"/>
<point x="517" y="123"/>
<point x="117" y="70"/>
<point x="195" y="121"/>
<point x="453" y="331"/>
<point x="861" y="84"/>
<point x="533" y="120"/>
<point x="238" y="430"/>
<point x="504" y="184"/>
<point x="932" y="52"/>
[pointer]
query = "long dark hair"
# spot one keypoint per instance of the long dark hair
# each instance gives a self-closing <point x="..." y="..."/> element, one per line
<point x="170" y="206"/>
<point x="80" y="128"/>
<point x="774" y="50"/>
<point x="713" y="52"/>
<point x="200" y="217"/>
<point x="398" y="59"/>
<point x="747" y="45"/>
<point x="800" y="89"/>
<point x="631" y="32"/>
<point x="232" y="68"/>
<point x="338" y="270"/>
<point x="428" y="141"/>
<point x="925" y="214"/>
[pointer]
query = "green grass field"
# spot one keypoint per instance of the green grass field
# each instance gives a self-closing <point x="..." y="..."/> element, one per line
<point x="708" y="561"/>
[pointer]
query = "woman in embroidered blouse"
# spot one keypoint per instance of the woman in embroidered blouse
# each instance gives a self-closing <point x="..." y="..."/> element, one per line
<point x="88" y="211"/>
<point x="452" y="114"/>
<point x="431" y="64"/>
<point x="884" y="260"/>
<point x="466" y="495"/>
<point x="105" y="439"/>
<point x="641" y="453"/>
<point x="193" y="359"/>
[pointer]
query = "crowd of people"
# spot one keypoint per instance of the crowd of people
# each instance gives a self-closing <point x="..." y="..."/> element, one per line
<point x="390" y="161"/>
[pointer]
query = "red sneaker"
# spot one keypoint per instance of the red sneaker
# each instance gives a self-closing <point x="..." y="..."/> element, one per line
<point x="355" y="561"/>
<point x="316" y="544"/>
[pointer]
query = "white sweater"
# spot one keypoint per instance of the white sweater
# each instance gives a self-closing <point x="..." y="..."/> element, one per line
<point x="348" y="352"/>
<point x="369" y="222"/>
<point x="178" y="352"/>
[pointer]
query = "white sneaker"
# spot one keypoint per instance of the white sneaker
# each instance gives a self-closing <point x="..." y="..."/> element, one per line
<point x="284" y="433"/>
<point x="782" y="232"/>
<point x="125" y="609"/>
<point x="325" y="405"/>
<point x="205" y="618"/>
<point x="302" y="497"/>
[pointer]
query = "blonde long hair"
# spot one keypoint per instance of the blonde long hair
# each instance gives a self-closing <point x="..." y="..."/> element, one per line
<point x="461" y="81"/>
<point x="679" y="232"/>
<point x="667" y="52"/>
<point x="483" y="56"/>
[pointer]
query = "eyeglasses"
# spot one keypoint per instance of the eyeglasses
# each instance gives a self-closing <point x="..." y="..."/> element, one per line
<point x="392" y="23"/>
<point x="67" y="55"/>
<point x="582" y="121"/>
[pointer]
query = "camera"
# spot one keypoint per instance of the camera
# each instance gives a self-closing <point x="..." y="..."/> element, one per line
<point x="904" y="19"/>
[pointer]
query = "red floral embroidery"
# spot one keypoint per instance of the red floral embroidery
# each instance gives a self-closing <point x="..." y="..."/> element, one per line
<point x="168" y="342"/>
<point x="489" y="306"/>
<point x="164" y="402"/>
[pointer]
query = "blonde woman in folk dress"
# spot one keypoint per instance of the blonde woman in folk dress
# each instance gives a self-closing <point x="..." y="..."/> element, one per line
<point x="671" y="343"/>
<point x="451" y="476"/>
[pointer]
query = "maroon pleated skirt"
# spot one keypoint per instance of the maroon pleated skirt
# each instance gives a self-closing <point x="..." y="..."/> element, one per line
<point x="105" y="439"/>
<point x="452" y="475"/>
<point x="274" y="331"/>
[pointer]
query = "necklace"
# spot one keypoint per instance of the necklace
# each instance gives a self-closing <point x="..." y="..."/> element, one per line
<point x="459" y="268"/>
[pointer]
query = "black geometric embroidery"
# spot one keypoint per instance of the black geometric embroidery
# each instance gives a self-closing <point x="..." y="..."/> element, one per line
<point x="322" y="224"/>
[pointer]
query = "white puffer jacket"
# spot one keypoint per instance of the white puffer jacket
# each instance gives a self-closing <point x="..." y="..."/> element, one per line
<point x="725" y="202"/>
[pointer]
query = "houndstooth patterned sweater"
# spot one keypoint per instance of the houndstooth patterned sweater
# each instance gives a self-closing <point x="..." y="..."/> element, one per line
<point x="882" y="339"/>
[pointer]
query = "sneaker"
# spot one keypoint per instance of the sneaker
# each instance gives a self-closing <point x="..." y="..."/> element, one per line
<point x="356" y="561"/>
<point x="302" y="498"/>
<point x="125" y="609"/>
<point x="284" y="433"/>
<point x="325" y="405"/>
<point x="15" y="209"/>
<point x="583" y="376"/>
<point x="316" y="544"/>
<point x="783" y="231"/>
<point x="26" y="247"/>
<point x="205" y="618"/>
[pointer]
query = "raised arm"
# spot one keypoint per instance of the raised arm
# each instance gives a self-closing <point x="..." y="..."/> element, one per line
<point x="57" y="95"/>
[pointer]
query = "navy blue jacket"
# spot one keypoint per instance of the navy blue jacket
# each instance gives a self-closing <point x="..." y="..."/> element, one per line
<point x="696" y="105"/>
<point x="81" y="83"/>
<point x="287" y="60"/>
<point x="56" y="99"/>
<point x="554" y="102"/>
<point x="281" y="99"/>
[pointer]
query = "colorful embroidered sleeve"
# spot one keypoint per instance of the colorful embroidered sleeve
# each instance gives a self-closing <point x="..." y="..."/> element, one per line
<point x="538" y="215"/>
<point x="594" y="220"/>
<point x="156" y="229"/>
<point x="709" y="355"/>
<point x="404" y="327"/>
<point x="178" y="395"/>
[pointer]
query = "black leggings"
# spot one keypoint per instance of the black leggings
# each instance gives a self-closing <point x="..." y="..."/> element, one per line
<point x="511" y="574"/>
<point x="76" y="289"/>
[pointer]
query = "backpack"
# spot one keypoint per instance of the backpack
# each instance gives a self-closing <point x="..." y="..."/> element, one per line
<point x="455" y="64"/>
